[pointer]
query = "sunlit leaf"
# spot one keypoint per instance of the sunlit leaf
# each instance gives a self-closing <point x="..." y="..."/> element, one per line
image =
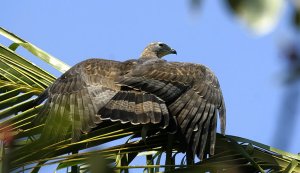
<point x="260" y="16"/>
<point x="56" y="63"/>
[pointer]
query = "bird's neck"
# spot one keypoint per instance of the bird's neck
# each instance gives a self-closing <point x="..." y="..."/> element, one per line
<point x="149" y="55"/>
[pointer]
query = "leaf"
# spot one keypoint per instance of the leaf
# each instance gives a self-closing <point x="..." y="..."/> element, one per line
<point x="38" y="167"/>
<point x="290" y="168"/>
<point x="266" y="147"/>
<point x="260" y="16"/>
<point x="296" y="18"/>
<point x="158" y="161"/>
<point x="13" y="46"/>
<point x="68" y="164"/>
<point x="247" y="156"/>
<point x="56" y="63"/>
<point x="149" y="161"/>
<point x="18" y="70"/>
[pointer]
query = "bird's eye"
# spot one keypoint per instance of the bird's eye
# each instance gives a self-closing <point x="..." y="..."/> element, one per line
<point x="161" y="44"/>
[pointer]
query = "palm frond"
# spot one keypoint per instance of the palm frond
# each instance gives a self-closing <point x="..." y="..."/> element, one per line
<point x="20" y="83"/>
<point x="56" y="63"/>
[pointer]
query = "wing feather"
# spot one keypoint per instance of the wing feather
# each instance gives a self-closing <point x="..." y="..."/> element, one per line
<point x="195" y="119"/>
<point x="80" y="109"/>
<point x="165" y="114"/>
<point x="213" y="131"/>
<point x="196" y="140"/>
<point x="192" y="110"/>
<point x="179" y="104"/>
<point x="205" y="132"/>
<point x="184" y="113"/>
<point x="75" y="97"/>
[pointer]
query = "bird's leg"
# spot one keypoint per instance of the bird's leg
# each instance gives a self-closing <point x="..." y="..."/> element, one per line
<point x="169" y="153"/>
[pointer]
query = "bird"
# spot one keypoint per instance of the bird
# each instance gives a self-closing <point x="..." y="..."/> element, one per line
<point x="147" y="90"/>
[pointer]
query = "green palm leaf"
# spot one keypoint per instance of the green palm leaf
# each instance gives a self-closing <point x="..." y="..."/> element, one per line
<point x="56" y="63"/>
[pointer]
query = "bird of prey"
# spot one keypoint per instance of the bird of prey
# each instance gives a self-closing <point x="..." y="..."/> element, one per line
<point x="148" y="90"/>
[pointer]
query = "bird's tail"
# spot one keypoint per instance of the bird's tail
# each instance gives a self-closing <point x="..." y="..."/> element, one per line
<point x="137" y="108"/>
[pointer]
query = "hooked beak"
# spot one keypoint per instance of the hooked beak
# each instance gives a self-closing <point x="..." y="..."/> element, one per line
<point x="173" y="51"/>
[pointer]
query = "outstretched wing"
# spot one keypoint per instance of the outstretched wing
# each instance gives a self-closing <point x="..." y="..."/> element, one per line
<point x="87" y="94"/>
<point x="192" y="93"/>
<point x="75" y="97"/>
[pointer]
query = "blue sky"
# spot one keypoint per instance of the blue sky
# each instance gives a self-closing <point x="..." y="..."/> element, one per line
<point x="248" y="67"/>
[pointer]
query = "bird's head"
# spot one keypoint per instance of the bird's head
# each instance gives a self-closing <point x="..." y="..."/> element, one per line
<point x="157" y="50"/>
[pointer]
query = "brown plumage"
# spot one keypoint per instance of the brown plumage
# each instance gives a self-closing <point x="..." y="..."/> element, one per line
<point x="143" y="91"/>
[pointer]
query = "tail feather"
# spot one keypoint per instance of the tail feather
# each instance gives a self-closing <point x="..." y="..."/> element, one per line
<point x="157" y="113"/>
<point x="136" y="108"/>
<point x="114" y="113"/>
<point x="130" y="114"/>
<point x="147" y="107"/>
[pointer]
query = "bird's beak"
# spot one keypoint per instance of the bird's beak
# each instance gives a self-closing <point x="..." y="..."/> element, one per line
<point x="173" y="51"/>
